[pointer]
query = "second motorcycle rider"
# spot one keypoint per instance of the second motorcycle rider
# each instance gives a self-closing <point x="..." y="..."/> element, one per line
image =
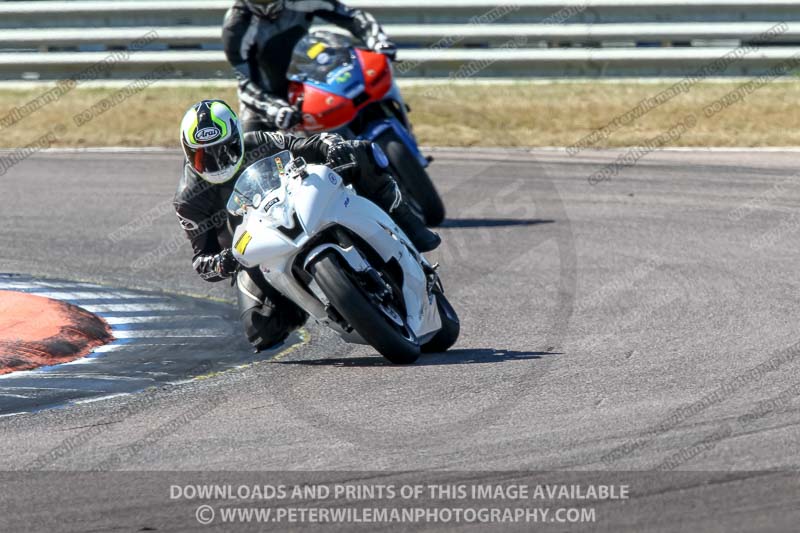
<point x="259" y="38"/>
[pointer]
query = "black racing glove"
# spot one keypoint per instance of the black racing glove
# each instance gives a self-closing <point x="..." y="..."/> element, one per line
<point x="343" y="154"/>
<point x="224" y="263"/>
<point x="387" y="48"/>
<point x="359" y="159"/>
<point x="288" y="117"/>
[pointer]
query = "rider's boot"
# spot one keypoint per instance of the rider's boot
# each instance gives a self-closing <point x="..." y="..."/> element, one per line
<point x="390" y="199"/>
<point x="267" y="316"/>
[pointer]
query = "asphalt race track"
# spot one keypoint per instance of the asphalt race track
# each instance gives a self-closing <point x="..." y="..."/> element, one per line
<point x="645" y="322"/>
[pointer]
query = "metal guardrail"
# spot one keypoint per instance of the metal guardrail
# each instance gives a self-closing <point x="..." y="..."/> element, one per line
<point x="456" y="64"/>
<point x="48" y="38"/>
<point x="450" y="38"/>
<point x="208" y="12"/>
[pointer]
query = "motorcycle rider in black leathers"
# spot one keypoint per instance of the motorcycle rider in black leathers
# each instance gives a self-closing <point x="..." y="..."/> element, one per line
<point x="259" y="37"/>
<point x="217" y="151"/>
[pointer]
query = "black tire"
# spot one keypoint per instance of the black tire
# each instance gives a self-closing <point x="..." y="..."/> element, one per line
<point x="412" y="178"/>
<point x="451" y="327"/>
<point x="356" y="308"/>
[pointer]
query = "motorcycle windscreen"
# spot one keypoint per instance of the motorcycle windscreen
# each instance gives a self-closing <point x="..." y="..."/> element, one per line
<point x="257" y="181"/>
<point x="318" y="54"/>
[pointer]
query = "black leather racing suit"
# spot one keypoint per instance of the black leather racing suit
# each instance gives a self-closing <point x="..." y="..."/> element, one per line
<point x="268" y="316"/>
<point x="260" y="50"/>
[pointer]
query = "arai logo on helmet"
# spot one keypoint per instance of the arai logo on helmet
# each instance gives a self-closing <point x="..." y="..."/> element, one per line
<point x="207" y="134"/>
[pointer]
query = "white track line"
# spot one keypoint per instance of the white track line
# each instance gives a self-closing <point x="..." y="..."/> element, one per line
<point x="108" y="308"/>
<point x="125" y="320"/>
<point x="109" y="348"/>
<point x="65" y="294"/>
<point x="44" y="284"/>
<point x="15" y="286"/>
<point x="86" y="360"/>
<point x="100" y="398"/>
<point x="168" y="334"/>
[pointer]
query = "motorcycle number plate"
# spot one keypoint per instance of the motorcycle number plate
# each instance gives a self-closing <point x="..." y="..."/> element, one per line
<point x="241" y="244"/>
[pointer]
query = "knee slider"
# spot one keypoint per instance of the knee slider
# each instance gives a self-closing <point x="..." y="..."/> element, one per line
<point x="263" y="329"/>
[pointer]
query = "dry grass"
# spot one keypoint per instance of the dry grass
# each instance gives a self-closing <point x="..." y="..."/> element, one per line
<point x="149" y="118"/>
<point x="561" y="114"/>
<point x="513" y="115"/>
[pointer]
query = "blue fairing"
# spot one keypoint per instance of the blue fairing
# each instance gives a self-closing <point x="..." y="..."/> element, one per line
<point x="346" y="81"/>
<point x="375" y="129"/>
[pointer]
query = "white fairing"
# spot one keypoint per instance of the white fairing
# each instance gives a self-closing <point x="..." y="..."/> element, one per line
<point x="320" y="201"/>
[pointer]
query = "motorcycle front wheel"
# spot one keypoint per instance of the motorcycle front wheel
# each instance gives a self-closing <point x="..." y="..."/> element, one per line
<point x="413" y="179"/>
<point x="363" y="311"/>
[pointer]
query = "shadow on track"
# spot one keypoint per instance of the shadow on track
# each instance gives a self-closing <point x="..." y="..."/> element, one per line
<point x="492" y="222"/>
<point x="453" y="357"/>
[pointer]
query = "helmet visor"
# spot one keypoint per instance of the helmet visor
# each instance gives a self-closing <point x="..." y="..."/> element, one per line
<point x="216" y="159"/>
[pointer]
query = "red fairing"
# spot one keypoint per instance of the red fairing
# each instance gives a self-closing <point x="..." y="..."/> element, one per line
<point x="377" y="72"/>
<point x="323" y="111"/>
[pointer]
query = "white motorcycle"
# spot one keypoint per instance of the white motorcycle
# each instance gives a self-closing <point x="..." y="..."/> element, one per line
<point x="340" y="258"/>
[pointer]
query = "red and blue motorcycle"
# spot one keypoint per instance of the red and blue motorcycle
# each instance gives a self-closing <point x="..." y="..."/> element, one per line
<point x="348" y="90"/>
